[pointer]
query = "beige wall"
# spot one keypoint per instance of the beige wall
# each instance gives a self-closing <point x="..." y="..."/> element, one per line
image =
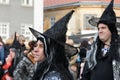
<point x="59" y="14"/>
<point x="76" y="23"/>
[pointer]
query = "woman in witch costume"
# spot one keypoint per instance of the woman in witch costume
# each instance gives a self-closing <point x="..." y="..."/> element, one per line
<point x="51" y="61"/>
<point x="103" y="60"/>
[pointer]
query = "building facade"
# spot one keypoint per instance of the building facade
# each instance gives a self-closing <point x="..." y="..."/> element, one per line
<point x="16" y="16"/>
<point x="78" y="27"/>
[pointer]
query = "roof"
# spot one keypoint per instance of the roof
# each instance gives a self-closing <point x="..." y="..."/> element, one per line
<point x="48" y="3"/>
<point x="58" y="2"/>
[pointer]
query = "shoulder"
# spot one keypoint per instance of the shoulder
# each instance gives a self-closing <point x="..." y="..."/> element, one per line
<point x="53" y="75"/>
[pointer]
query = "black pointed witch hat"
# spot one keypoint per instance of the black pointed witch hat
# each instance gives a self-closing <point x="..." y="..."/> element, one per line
<point x="58" y="31"/>
<point x="94" y="21"/>
<point x="108" y="16"/>
<point x="15" y="43"/>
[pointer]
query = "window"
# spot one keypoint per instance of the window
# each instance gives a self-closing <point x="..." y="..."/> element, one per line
<point x="4" y="2"/>
<point x="4" y="30"/>
<point x="118" y="19"/>
<point x="25" y="31"/>
<point x="87" y="26"/>
<point x="27" y="2"/>
<point x="52" y="21"/>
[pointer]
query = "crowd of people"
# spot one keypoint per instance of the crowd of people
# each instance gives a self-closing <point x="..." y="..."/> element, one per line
<point x="52" y="57"/>
<point x="12" y="53"/>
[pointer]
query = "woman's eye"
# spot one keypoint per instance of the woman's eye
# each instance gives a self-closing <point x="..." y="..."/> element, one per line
<point x="40" y="45"/>
<point x="35" y="45"/>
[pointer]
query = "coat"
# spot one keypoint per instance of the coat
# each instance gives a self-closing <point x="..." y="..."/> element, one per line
<point x="92" y="62"/>
<point x="24" y="70"/>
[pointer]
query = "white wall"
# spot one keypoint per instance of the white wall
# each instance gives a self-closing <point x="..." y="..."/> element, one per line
<point x="38" y="15"/>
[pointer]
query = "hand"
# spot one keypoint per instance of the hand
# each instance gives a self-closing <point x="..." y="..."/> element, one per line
<point x="8" y="77"/>
<point x="0" y="62"/>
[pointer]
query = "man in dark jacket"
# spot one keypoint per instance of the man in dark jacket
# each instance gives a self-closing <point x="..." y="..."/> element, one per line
<point x="103" y="60"/>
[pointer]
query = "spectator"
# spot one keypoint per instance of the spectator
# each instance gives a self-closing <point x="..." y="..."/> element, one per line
<point x="1" y="51"/>
<point x="8" y="67"/>
<point x="2" y="56"/>
<point x="81" y="57"/>
<point x="7" y="46"/>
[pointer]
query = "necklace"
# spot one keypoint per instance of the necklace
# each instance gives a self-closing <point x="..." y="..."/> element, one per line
<point x="105" y="50"/>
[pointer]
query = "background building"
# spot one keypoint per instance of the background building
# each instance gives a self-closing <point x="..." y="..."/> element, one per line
<point x="16" y="16"/>
<point x="78" y="27"/>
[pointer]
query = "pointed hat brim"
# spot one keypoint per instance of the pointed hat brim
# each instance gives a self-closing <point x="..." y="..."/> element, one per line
<point x="37" y="33"/>
<point x="69" y="49"/>
<point x="94" y="21"/>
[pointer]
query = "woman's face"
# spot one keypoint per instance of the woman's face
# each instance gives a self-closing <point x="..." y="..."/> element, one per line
<point x="12" y="52"/>
<point x="39" y="51"/>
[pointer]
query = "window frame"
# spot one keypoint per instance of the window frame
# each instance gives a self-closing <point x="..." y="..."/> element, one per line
<point x="5" y="2"/>
<point x="52" y="21"/>
<point x="25" y="30"/>
<point x="87" y="26"/>
<point x="4" y="30"/>
<point x="27" y="3"/>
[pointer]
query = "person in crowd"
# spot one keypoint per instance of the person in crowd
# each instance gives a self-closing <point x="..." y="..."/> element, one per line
<point x="1" y="51"/>
<point x="12" y="59"/>
<point x="20" y="47"/>
<point x="103" y="60"/>
<point x="2" y="56"/>
<point x="84" y="46"/>
<point x="8" y="44"/>
<point x="71" y="57"/>
<point x="49" y="52"/>
<point x="25" y="68"/>
<point x="19" y="43"/>
<point x="8" y="67"/>
<point x="21" y="40"/>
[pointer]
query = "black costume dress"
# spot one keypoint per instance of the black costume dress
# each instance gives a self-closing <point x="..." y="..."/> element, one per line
<point x="103" y="69"/>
